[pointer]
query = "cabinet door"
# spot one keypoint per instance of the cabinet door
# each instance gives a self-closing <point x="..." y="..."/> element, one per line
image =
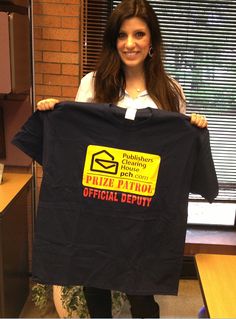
<point x="5" y="65"/>
<point x="15" y="59"/>
<point x="19" y="28"/>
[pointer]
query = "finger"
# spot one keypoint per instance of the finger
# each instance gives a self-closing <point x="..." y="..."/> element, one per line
<point x="51" y="103"/>
<point x="201" y="121"/>
<point x="193" y="118"/>
<point x="40" y="105"/>
<point x="46" y="104"/>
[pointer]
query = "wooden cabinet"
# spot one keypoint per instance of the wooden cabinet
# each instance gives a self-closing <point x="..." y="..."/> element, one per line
<point x="14" y="265"/>
<point x="16" y="205"/>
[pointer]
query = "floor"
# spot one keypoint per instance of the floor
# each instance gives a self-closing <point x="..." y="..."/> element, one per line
<point x="185" y="305"/>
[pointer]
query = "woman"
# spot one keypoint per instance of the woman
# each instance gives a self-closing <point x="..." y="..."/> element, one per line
<point x="131" y="70"/>
<point x="130" y="74"/>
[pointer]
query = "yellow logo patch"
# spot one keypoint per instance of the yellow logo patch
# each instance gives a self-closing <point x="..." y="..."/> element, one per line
<point x="121" y="170"/>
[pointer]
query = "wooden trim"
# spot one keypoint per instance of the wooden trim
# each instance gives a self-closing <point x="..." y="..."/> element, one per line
<point x="2" y="136"/>
<point x="215" y="241"/>
<point x="82" y="15"/>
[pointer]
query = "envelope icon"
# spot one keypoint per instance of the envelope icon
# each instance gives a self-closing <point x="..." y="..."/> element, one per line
<point x="104" y="162"/>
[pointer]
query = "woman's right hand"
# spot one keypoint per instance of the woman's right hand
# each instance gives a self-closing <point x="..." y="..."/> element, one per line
<point x="47" y="104"/>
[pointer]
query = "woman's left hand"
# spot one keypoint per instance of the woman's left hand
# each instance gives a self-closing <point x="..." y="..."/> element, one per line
<point x="199" y="120"/>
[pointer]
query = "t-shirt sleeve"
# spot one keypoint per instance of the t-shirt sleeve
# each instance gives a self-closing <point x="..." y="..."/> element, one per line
<point x="86" y="89"/>
<point x="204" y="179"/>
<point x="30" y="137"/>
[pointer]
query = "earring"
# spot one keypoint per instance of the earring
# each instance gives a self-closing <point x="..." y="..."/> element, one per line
<point x="150" y="52"/>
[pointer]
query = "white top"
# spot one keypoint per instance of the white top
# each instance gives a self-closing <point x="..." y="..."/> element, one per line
<point x="86" y="93"/>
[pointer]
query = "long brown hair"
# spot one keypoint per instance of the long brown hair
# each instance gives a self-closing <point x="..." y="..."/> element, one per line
<point x="109" y="84"/>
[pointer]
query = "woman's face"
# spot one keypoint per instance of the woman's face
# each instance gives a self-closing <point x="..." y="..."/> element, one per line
<point x="133" y="42"/>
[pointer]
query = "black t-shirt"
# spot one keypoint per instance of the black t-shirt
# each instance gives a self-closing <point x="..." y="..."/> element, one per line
<point x="112" y="209"/>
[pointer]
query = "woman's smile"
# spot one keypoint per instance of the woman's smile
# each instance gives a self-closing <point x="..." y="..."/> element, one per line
<point x="131" y="55"/>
